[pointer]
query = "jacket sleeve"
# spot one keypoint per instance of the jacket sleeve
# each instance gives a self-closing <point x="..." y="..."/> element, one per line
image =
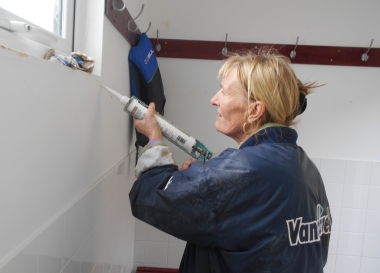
<point x="184" y="204"/>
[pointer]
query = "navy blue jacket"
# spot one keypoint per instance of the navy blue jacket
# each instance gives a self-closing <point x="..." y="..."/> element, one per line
<point x="259" y="208"/>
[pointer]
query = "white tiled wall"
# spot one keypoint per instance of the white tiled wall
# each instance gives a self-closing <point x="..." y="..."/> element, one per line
<point x="353" y="189"/>
<point x="94" y="235"/>
<point x="156" y="248"/>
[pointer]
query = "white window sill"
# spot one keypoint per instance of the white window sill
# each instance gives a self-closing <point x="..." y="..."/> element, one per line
<point x="14" y="53"/>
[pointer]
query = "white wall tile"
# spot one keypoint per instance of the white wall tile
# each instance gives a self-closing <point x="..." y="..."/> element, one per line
<point x="114" y="185"/>
<point x="92" y="210"/>
<point x="330" y="265"/>
<point x="105" y="192"/>
<point x="371" y="245"/>
<point x="175" y="253"/>
<point x="25" y="262"/>
<point x="119" y="234"/>
<point x="352" y="220"/>
<point x="333" y="245"/>
<point x="139" y="230"/>
<point x="332" y="170"/>
<point x="114" y="269"/>
<point x="357" y="172"/>
<point x="96" y="242"/>
<point x="50" y="248"/>
<point x="88" y="256"/>
<point x="335" y="215"/>
<point x="125" y="243"/>
<point x="374" y="198"/>
<point x="73" y="230"/>
<point x="155" y="253"/>
<point x="153" y="234"/>
<point x="109" y="255"/>
<point x="111" y="220"/>
<point x="107" y="268"/>
<point x="72" y="266"/>
<point x="156" y="265"/>
<point x="372" y="223"/>
<point x="138" y="252"/>
<point x="126" y="269"/>
<point x="173" y="266"/>
<point x="370" y="265"/>
<point x="355" y="196"/>
<point x="347" y="264"/>
<point x="350" y="244"/>
<point x="375" y="174"/>
<point x="98" y="268"/>
<point x="334" y="193"/>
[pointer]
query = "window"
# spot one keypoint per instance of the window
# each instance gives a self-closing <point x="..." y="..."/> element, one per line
<point x="51" y="24"/>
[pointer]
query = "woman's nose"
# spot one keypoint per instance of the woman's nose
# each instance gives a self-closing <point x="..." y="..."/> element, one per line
<point x="214" y="99"/>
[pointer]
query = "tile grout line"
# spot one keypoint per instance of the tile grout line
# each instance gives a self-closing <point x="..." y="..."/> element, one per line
<point x="340" y="216"/>
<point x="366" y="215"/>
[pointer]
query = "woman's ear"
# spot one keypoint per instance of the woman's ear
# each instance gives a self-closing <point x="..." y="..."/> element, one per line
<point x="256" y="111"/>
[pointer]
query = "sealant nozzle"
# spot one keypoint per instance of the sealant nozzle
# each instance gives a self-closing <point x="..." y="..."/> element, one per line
<point x="123" y="99"/>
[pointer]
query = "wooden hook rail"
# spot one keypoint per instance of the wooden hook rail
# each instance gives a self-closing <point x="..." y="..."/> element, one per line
<point x="322" y="55"/>
<point x="120" y="21"/>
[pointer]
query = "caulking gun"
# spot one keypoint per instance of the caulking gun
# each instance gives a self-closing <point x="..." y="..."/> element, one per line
<point x="187" y="143"/>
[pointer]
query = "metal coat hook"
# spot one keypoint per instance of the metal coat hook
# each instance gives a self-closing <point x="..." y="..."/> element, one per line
<point x="114" y="5"/>
<point x="150" y="23"/>
<point x="293" y="53"/>
<point x="365" y="55"/>
<point x="158" y="46"/>
<point x="130" y="21"/>
<point x="225" y="50"/>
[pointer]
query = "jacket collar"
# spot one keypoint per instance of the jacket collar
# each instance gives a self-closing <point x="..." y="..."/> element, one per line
<point x="273" y="134"/>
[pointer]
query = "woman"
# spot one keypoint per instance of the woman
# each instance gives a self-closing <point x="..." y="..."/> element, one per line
<point x="259" y="208"/>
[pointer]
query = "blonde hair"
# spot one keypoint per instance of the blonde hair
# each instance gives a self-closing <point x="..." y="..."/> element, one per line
<point x="266" y="76"/>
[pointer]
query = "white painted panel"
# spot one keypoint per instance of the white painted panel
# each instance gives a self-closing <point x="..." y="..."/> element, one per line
<point x="60" y="134"/>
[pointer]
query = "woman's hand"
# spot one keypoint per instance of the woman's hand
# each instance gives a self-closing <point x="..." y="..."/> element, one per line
<point x="149" y="126"/>
<point x="186" y="165"/>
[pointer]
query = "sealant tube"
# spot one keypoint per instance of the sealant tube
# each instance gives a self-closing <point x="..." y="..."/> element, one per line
<point x="138" y="109"/>
<point x="187" y="143"/>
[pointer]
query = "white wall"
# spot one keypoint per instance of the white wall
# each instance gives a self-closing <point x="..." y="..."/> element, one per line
<point x="335" y="23"/>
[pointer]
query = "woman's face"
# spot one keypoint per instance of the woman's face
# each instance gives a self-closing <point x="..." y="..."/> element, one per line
<point x="231" y="105"/>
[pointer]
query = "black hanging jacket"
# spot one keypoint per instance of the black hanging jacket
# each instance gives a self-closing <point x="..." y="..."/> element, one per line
<point x="145" y="78"/>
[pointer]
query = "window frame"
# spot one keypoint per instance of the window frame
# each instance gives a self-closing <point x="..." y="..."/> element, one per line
<point x="35" y="45"/>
